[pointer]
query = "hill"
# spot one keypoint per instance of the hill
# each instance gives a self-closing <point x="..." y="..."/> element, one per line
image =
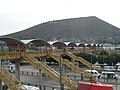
<point x="84" y="29"/>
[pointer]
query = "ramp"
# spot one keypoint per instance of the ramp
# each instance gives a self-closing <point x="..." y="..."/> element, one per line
<point x="85" y="62"/>
<point x="51" y="72"/>
<point x="10" y="80"/>
<point x="66" y="62"/>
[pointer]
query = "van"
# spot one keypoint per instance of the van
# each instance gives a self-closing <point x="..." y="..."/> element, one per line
<point x="95" y="73"/>
<point x="11" y="68"/>
<point x="106" y="74"/>
<point x="118" y="69"/>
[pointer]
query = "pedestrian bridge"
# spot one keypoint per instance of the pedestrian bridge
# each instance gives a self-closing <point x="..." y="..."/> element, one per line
<point x="17" y="50"/>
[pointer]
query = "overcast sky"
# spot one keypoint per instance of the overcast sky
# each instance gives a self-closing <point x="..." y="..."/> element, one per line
<point x="17" y="15"/>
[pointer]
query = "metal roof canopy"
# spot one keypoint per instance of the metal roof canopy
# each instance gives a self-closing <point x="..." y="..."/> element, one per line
<point x="71" y="44"/>
<point x="59" y="45"/>
<point x="89" y="45"/>
<point x="94" y="45"/>
<point x="11" y="41"/>
<point x="38" y="42"/>
<point x="81" y="45"/>
<point x="27" y="41"/>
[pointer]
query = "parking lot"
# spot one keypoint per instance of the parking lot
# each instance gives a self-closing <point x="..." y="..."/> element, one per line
<point x="49" y="83"/>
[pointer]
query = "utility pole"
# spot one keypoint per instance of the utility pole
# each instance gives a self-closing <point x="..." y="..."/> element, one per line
<point x="60" y="69"/>
<point x="91" y="69"/>
<point x="1" y="80"/>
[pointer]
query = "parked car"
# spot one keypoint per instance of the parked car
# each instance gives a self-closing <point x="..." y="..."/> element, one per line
<point x="109" y="68"/>
<point x="95" y="73"/>
<point x="107" y="74"/>
<point x="118" y="69"/>
<point x="11" y="68"/>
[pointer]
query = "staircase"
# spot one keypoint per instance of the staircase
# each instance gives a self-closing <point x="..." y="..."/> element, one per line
<point x="66" y="62"/>
<point x="51" y="72"/>
<point x="10" y="80"/>
<point x="85" y="62"/>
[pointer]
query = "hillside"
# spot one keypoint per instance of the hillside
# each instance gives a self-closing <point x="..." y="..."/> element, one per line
<point x="84" y="29"/>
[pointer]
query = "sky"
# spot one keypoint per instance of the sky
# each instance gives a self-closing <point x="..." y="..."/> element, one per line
<point x="17" y="15"/>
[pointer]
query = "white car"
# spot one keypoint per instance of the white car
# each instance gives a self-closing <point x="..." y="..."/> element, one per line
<point x="25" y="87"/>
<point x="106" y="74"/>
<point x="118" y="69"/>
<point x="11" y="68"/>
<point x="109" y="68"/>
<point x="95" y="73"/>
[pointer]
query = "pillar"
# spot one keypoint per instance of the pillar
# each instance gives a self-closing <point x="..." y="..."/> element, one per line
<point x="40" y="79"/>
<point x="73" y="61"/>
<point x="77" y="63"/>
<point x="61" y="74"/>
<point x="43" y="59"/>
<point x="0" y="62"/>
<point x="63" y="69"/>
<point x="17" y="69"/>
<point x="1" y="85"/>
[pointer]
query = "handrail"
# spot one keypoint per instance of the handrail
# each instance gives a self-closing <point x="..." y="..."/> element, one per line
<point x="70" y="65"/>
<point x="48" y="70"/>
<point x="10" y="80"/>
<point x="74" y="57"/>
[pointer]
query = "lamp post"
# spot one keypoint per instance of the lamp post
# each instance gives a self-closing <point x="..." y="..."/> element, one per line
<point x="60" y="69"/>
